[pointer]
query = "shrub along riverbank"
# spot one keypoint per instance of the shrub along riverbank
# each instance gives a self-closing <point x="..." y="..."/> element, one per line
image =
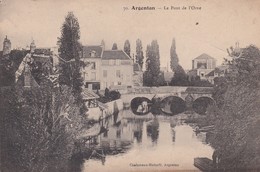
<point x="38" y="128"/>
<point x="236" y="116"/>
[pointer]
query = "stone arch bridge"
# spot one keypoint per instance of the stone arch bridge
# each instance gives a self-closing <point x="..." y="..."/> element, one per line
<point x="192" y="98"/>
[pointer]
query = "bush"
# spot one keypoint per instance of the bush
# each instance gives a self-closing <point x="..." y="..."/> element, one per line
<point x="109" y="96"/>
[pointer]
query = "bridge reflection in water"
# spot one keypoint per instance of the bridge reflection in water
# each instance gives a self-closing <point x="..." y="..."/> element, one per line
<point x="144" y="140"/>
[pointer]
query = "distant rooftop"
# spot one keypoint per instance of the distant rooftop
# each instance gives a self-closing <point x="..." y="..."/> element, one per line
<point x="89" y="94"/>
<point x="204" y="56"/>
<point x="115" y="54"/>
<point x="88" y="50"/>
<point x="43" y="51"/>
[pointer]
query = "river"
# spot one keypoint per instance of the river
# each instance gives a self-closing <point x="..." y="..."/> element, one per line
<point x="137" y="143"/>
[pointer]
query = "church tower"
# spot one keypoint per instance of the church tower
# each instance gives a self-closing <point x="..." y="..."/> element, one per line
<point x="6" y="46"/>
<point x="32" y="47"/>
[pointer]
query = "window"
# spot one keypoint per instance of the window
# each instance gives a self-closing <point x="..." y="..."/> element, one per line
<point x="93" y="54"/>
<point x="104" y="73"/>
<point x="93" y="65"/>
<point x="93" y="75"/>
<point x="118" y="73"/>
<point x="90" y="66"/>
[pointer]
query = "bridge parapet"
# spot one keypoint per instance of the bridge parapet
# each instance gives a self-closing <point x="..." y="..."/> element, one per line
<point x="166" y="91"/>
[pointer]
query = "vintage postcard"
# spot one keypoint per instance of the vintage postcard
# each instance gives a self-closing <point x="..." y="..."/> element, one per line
<point x="129" y="85"/>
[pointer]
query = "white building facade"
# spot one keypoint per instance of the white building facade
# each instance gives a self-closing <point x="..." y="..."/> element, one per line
<point x="106" y="68"/>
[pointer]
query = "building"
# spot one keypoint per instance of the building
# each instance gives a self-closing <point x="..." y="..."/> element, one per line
<point x="36" y="64"/>
<point x="137" y="75"/>
<point x="222" y="71"/>
<point x="102" y="68"/>
<point x="116" y="69"/>
<point x="202" y="65"/>
<point x="91" y="56"/>
<point x="6" y="46"/>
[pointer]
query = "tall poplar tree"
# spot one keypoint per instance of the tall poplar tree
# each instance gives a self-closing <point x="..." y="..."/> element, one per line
<point x="127" y="48"/>
<point x="139" y="57"/>
<point x="180" y="77"/>
<point x="70" y="56"/>
<point x="174" y="57"/>
<point x="152" y="73"/>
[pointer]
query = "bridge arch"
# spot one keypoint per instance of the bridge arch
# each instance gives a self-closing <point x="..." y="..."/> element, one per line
<point x="141" y="105"/>
<point x="201" y="104"/>
<point x="173" y="105"/>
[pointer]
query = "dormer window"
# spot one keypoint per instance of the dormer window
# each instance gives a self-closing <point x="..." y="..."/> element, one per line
<point x="93" y="54"/>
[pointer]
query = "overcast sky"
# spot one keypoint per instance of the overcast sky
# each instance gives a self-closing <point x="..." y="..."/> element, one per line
<point x="220" y="23"/>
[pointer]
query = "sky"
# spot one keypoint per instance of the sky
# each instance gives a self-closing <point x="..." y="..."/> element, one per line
<point x="218" y="25"/>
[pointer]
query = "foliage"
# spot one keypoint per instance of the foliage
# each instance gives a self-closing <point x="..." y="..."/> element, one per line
<point x="152" y="73"/>
<point x="114" y="47"/>
<point x="139" y="57"/>
<point x="127" y="48"/>
<point x="237" y="119"/>
<point x="38" y="128"/>
<point x="174" y="63"/>
<point x="70" y="53"/>
<point x="109" y="96"/>
<point x="180" y="78"/>
<point x="8" y="66"/>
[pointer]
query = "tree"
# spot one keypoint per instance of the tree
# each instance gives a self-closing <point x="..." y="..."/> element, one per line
<point x="127" y="48"/>
<point x="174" y="57"/>
<point x="139" y="57"/>
<point x="236" y="120"/>
<point x="70" y="54"/>
<point x="38" y="128"/>
<point x="152" y="73"/>
<point x="180" y="78"/>
<point x="114" y="47"/>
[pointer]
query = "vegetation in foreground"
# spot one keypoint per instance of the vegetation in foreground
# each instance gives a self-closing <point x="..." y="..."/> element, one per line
<point x="236" y="117"/>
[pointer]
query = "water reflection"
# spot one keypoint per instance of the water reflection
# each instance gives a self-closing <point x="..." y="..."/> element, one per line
<point x="152" y="129"/>
<point x="132" y="139"/>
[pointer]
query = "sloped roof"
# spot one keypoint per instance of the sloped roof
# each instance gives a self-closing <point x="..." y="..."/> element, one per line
<point x="115" y="54"/>
<point x="46" y="60"/>
<point x="211" y="73"/>
<point x="88" y="94"/>
<point x="204" y="56"/>
<point x="44" y="51"/>
<point x="86" y="50"/>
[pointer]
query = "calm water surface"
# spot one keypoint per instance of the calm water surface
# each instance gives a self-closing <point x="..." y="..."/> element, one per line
<point x="147" y="142"/>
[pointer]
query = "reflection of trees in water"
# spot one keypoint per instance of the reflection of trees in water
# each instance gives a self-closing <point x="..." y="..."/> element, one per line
<point x="137" y="127"/>
<point x="152" y="129"/>
<point x="173" y="124"/>
<point x="138" y="136"/>
<point x="173" y="135"/>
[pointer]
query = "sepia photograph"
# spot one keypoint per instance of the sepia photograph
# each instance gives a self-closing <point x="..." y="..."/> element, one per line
<point x="129" y="86"/>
